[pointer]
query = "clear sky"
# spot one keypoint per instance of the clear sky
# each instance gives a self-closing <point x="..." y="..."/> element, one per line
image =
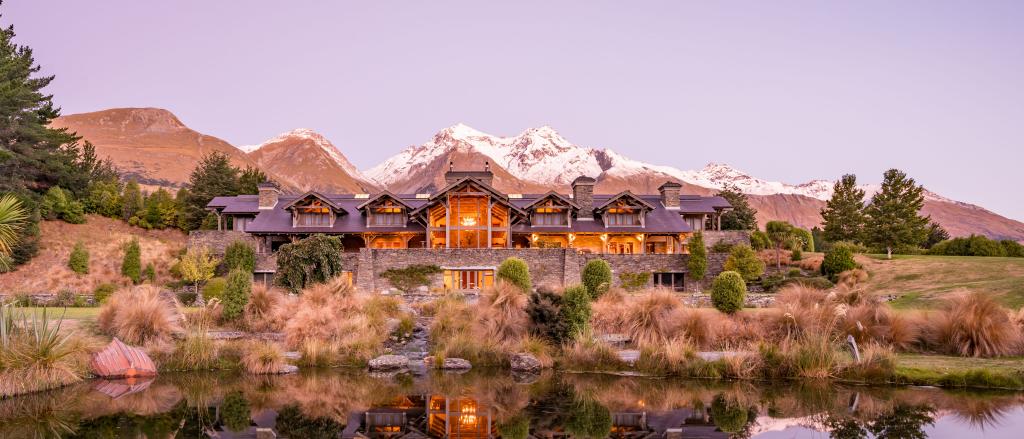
<point x="785" y="90"/>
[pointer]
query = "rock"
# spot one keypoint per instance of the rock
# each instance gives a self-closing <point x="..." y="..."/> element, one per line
<point x="386" y="363"/>
<point x="423" y="289"/>
<point x="629" y="356"/>
<point x="292" y="355"/>
<point x="524" y="377"/>
<point x="289" y="368"/>
<point x="524" y="362"/>
<point x="119" y="360"/>
<point x="456" y="364"/>
<point x="614" y="339"/>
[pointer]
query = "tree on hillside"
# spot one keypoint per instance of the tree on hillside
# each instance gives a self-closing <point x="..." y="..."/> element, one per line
<point x="132" y="201"/>
<point x="843" y="214"/>
<point x="214" y="176"/>
<point x="742" y="216"/>
<point x="33" y="156"/>
<point x="936" y="234"/>
<point x="893" y="218"/>
<point x="781" y="234"/>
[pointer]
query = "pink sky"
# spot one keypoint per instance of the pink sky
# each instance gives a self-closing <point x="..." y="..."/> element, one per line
<point x="785" y="90"/>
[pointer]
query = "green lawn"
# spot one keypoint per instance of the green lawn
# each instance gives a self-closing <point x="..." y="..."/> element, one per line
<point x="921" y="281"/>
<point x="945" y="364"/>
<point x="89" y="313"/>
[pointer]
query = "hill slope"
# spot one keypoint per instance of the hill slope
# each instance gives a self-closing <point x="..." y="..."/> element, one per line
<point x="306" y="160"/>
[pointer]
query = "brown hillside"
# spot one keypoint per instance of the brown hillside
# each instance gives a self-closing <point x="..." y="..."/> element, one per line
<point x="49" y="273"/>
<point x="298" y="161"/>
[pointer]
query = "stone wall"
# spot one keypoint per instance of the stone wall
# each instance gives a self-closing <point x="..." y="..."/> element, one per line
<point x="218" y="240"/>
<point x="712" y="237"/>
<point x="547" y="266"/>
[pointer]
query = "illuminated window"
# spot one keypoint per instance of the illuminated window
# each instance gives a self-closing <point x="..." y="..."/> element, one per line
<point x="468" y="279"/>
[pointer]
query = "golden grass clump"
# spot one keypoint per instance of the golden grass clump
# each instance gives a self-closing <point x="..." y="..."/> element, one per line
<point x="873" y="321"/>
<point x="851" y="278"/>
<point x="36" y="354"/>
<point x="608" y="312"/>
<point x="141" y="316"/>
<point x="501" y="314"/>
<point x="700" y="327"/>
<point x="261" y="357"/>
<point x="648" y="316"/>
<point x="267" y="309"/>
<point x="196" y="351"/>
<point x="804" y="309"/>
<point x="585" y="353"/>
<point x="973" y="325"/>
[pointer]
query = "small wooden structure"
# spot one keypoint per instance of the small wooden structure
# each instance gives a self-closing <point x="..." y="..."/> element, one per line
<point x="119" y="360"/>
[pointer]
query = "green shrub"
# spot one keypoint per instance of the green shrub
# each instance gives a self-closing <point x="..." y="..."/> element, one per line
<point x="759" y="240"/>
<point x="772" y="282"/>
<point x="547" y="320"/>
<point x="698" y="261"/>
<point x="214" y="288"/>
<point x="597" y="277"/>
<point x="149" y="273"/>
<point x="65" y="298"/>
<point x="744" y="261"/>
<point x="239" y="254"/>
<point x="634" y="281"/>
<point x="516" y="427"/>
<point x="409" y="278"/>
<point x="60" y="204"/>
<point x="187" y="298"/>
<point x="721" y="247"/>
<point x="728" y="416"/>
<point x="794" y="272"/>
<point x="588" y="419"/>
<point x="1012" y="248"/>
<point x="516" y="272"/>
<point x="235" y="412"/>
<point x="576" y="309"/>
<point x="79" y="259"/>
<point x="102" y="292"/>
<point x="131" y="265"/>
<point x="236" y="293"/>
<point x="838" y="259"/>
<point x="977" y="245"/>
<point x="796" y="255"/>
<point x="728" y="292"/>
<point x="312" y="260"/>
<point x="806" y="239"/>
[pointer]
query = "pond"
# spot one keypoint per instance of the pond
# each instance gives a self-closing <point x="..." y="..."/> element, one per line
<point x="482" y="403"/>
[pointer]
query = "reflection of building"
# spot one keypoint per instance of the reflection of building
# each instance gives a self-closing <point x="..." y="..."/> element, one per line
<point x="468" y="227"/>
<point x="434" y="416"/>
<point x="459" y="418"/>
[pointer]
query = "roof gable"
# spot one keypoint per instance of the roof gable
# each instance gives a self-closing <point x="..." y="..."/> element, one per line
<point x="381" y="195"/>
<point x="550" y="195"/>
<point x="313" y="194"/>
<point x="625" y="195"/>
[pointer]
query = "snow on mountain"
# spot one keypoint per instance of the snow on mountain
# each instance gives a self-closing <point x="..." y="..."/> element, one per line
<point x="317" y="139"/>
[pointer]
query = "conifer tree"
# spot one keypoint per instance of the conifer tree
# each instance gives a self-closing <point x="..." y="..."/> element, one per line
<point x="698" y="262"/>
<point x="132" y="201"/>
<point x="893" y="218"/>
<point x="843" y="215"/>
<point x="742" y="216"/>
<point x="131" y="265"/>
<point x="213" y="177"/>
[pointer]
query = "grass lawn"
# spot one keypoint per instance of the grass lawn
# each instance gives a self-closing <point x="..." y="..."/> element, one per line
<point x="921" y="281"/>
<point x="944" y="364"/>
<point x="938" y="370"/>
<point x="89" y="313"/>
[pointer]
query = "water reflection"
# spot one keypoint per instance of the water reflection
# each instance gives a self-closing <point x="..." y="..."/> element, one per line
<point x="488" y="404"/>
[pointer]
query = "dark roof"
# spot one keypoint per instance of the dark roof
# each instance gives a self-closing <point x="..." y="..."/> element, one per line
<point x="551" y="194"/>
<point x="624" y="194"/>
<point x="313" y="194"/>
<point x="352" y="220"/>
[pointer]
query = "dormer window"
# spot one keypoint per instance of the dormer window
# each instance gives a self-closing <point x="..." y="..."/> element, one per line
<point x="316" y="214"/>
<point x="622" y="216"/>
<point x="388" y="213"/>
<point x="551" y="210"/>
<point x="624" y="210"/>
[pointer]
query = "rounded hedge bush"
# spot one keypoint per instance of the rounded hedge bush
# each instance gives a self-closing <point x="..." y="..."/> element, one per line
<point x="240" y="254"/>
<point x="728" y="292"/>
<point x="597" y="277"/>
<point x="838" y="259"/>
<point x="79" y="259"/>
<point x="516" y="272"/>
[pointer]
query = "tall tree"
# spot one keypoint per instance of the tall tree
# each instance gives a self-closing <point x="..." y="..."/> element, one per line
<point x="893" y="214"/>
<point x="249" y="180"/>
<point x="936" y="234"/>
<point x="213" y="177"/>
<point x="781" y="234"/>
<point x="132" y="201"/>
<point x="843" y="214"/>
<point x="742" y="216"/>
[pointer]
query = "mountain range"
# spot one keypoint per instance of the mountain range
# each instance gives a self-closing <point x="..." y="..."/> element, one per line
<point x="153" y="146"/>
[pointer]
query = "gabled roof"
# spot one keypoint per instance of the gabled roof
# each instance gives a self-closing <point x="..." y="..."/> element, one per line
<point x="383" y="194"/>
<point x="551" y="194"/>
<point x="624" y="194"/>
<point x="316" y="195"/>
<point x="455" y="184"/>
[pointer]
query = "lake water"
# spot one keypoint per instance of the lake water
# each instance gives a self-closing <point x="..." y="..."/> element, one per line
<point x="478" y="404"/>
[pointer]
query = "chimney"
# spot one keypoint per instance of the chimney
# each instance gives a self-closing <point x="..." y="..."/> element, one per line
<point x="485" y="176"/>
<point x="670" y="194"/>
<point x="583" y="196"/>
<point x="268" y="194"/>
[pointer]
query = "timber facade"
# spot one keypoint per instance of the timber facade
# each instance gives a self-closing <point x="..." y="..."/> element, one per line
<point x="468" y="227"/>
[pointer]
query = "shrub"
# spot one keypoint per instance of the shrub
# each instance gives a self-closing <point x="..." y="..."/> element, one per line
<point x="187" y="298"/>
<point x="806" y="239"/>
<point x="240" y="255"/>
<point x="727" y="415"/>
<point x="65" y="298"/>
<point x="79" y="259"/>
<point x="772" y="282"/>
<point x="977" y="245"/>
<point x="236" y="293"/>
<point x="838" y="259"/>
<point x="149" y="273"/>
<point x="698" y="262"/>
<point x="648" y="317"/>
<point x="546" y="318"/>
<point x="140" y="315"/>
<point x="409" y="278"/>
<point x="796" y="255"/>
<point x="759" y="240"/>
<point x="516" y="427"/>
<point x="744" y="261"/>
<point x="597" y="277"/>
<point x="234" y="411"/>
<point x="312" y="260"/>
<point x="102" y="292"/>
<point x="634" y="281"/>
<point x="728" y="292"/>
<point x="973" y="325"/>
<point x="214" y="288"/>
<point x="261" y="357"/>
<point x="721" y="247"/>
<point x="516" y="272"/>
<point x="1012" y="248"/>
<point x="588" y="419"/>
<point x="576" y="309"/>
<point x="60" y="204"/>
<point x="131" y="265"/>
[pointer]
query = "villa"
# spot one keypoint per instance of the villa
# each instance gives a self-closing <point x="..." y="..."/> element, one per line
<point x="468" y="227"/>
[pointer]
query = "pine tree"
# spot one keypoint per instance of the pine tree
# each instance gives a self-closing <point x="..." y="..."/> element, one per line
<point x="893" y="218"/>
<point x="213" y="177"/>
<point x="698" y="262"/>
<point x="131" y="265"/>
<point x="843" y="215"/>
<point x="742" y="216"/>
<point x="132" y="201"/>
<point x="249" y="180"/>
<point x="936" y="234"/>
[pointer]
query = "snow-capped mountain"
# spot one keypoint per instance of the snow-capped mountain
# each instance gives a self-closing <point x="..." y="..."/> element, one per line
<point x="307" y="160"/>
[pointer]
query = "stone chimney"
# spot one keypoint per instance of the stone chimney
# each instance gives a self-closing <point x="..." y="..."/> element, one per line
<point x="486" y="176"/>
<point x="269" y="194"/>
<point x="670" y="194"/>
<point x="583" y="196"/>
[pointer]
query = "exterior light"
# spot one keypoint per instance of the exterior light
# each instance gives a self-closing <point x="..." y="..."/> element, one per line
<point x="639" y="236"/>
<point x="572" y="237"/>
<point x="468" y="221"/>
<point x="534" y="237"/>
<point x="604" y="236"/>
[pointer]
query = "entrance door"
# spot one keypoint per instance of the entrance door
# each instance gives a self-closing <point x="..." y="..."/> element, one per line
<point x="468" y="279"/>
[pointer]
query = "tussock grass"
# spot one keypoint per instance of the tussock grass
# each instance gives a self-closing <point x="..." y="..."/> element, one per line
<point x="648" y="316"/>
<point x="260" y="357"/>
<point x="267" y="309"/>
<point x="486" y="334"/>
<point x="36" y="355"/>
<point x="973" y="325"/>
<point x="194" y="352"/>
<point x="141" y="316"/>
<point x="585" y="353"/>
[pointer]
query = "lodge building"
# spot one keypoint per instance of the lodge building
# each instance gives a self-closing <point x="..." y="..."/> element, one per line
<point x="469" y="215"/>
